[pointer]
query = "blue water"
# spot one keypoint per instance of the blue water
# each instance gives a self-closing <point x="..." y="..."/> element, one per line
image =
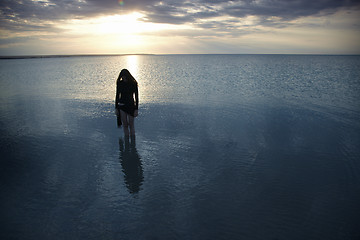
<point x="226" y="147"/>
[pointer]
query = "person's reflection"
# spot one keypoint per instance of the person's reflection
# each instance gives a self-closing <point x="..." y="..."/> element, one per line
<point x="131" y="164"/>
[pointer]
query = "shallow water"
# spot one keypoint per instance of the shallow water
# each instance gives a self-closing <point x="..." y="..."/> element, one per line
<point x="226" y="147"/>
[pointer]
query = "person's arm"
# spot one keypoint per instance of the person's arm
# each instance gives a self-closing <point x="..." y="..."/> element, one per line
<point x="136" y="101"/>
<point x="117" y="91"/>
<point x="117" y="96"/>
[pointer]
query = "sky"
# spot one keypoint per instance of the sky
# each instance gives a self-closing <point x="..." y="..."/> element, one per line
<point x="59" y="27"/>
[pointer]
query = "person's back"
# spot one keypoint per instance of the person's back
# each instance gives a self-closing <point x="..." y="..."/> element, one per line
<point x="125" y="105"/>
<point x="126" y="91"/>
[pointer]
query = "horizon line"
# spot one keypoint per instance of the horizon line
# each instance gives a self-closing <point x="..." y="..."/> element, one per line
<point x="162" y="54"/>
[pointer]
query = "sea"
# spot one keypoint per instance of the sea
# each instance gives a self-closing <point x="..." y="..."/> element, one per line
<point x="228" y="147"/>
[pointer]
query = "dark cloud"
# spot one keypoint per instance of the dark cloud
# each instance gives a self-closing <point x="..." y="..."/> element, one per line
<point x="285" y="9"/>
<point x="15" y="13"/>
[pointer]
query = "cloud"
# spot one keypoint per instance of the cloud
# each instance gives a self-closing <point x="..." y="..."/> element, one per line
<point x="208" y="20"/>
<point x="168" y="11"/>
<point x="179" y="12"/>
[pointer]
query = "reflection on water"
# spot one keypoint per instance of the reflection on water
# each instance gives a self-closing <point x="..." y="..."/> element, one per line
<point x="132" y="64"/>
<point x="131" y="163"/>
<point x="232" y="147"/>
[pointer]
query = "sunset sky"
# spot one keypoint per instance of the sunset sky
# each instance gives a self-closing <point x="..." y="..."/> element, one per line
<point x="47" y="27"/>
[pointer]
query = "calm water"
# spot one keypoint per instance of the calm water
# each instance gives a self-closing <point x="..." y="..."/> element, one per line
<point x="227" y="147"/>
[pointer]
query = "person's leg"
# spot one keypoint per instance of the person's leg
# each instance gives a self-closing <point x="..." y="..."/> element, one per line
<point x="124" y="120"/>
<point x="131" y="124"/>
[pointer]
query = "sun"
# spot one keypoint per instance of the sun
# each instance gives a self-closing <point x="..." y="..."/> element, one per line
<point x="133" y="23"/>
<point x="119" y="24"/>
<point x="121" y="32"/>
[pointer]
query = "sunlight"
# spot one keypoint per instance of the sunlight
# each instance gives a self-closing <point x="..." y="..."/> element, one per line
<point x="125" y="24"/>
<point x="119" y="24"/>
<point x="128" y="31"/>
<point x="132" y="65"/>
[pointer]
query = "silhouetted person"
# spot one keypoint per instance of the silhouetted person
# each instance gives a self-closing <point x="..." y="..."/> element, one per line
<point x="126" y="106"/>
<point x="131" y="164"/>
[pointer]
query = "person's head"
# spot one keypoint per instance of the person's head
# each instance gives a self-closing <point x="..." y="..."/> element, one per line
<point x="126" y="76"/>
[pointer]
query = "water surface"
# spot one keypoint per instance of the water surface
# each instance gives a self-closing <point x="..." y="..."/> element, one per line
<point x="226" y="147"/>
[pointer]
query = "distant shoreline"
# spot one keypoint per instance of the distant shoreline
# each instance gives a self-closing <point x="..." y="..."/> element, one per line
<point x="64" y="56"/>
<point x="143" y="54"/>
